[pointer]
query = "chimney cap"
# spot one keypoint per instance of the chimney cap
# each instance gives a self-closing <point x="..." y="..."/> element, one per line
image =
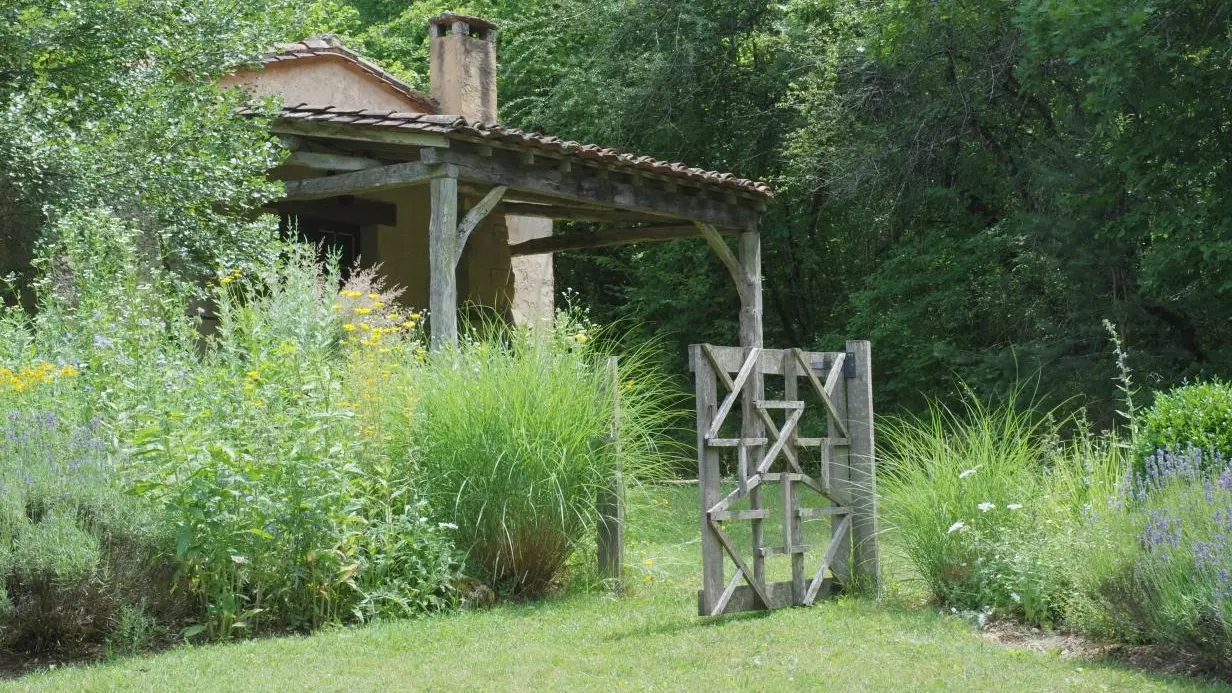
<point x="449" y="18"/>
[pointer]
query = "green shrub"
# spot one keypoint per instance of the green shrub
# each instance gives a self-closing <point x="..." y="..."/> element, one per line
<point x="135" y="630"/>
<point x="1197" y="415"/>
<point x="515" y="444"/>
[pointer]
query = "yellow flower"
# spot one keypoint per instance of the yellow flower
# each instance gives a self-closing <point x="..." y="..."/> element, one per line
<point x="374" y="297"/>
<point x="414" y="316"/>
<point x="378" y="304"/>
<point x="226" y="280"/>
<point x="581" y="338"/>
<point x="394" y="317"/>
<point x="363" y="311"/>
<point x="67" y="371"/>
<point x="253" y="375"/>
<point x="349" y="327"/>
<point x="337" y="306"/>
<point x="384" y="351"/>
<point x="364" y="326"/>
<point x="647" y="562"/>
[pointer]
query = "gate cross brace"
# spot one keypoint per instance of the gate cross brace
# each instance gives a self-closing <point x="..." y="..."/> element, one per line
<point x="836" y="540"/>
<point x="735" y="386"/>
<point x="824" y="391"/>
<point x="744" y="570"/>
<point x="762" y="414"/>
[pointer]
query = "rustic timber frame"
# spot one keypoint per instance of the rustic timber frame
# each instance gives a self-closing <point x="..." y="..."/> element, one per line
<point x="643" y="207"/>
<point x="350" y="162"/>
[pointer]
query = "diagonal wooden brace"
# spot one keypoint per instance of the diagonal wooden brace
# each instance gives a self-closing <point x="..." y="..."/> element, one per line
<point x="835" y="541"/>
<point x="823" y="391"/>
<point x="744" y="569"/>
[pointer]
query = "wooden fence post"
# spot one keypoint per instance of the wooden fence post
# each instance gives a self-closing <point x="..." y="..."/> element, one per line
<point x="863" y="463"/>
<point x="707" y="481"/>
<point x="611" y="501"/>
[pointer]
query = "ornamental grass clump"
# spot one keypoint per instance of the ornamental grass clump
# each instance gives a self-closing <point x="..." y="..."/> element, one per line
<point x="515" y="436"/>
<point x="979" y="499"/>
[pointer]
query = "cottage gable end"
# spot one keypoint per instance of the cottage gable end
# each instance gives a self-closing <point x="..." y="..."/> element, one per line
<point x="321" y="71"/>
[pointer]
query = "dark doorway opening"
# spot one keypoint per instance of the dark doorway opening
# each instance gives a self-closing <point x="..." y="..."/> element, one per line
<point x="329" y="237"/>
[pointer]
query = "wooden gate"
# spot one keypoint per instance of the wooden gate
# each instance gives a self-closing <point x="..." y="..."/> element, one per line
<point x="836" y="467"/>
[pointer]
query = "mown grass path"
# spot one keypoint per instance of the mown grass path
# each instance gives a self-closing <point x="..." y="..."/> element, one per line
<point x="650" y="640"/>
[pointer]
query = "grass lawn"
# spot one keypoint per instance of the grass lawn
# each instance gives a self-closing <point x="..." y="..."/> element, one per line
<point x="651" y="640"/>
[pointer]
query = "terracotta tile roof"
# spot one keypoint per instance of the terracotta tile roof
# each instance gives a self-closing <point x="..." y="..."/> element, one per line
<point x="328" y="45"/>
<point x="457" y="125"/>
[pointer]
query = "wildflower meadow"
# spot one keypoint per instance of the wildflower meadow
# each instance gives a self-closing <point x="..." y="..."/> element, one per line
<point x="275" y="451"/>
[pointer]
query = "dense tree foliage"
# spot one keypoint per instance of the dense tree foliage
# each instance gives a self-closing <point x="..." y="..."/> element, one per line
<point x="115" y="105"/>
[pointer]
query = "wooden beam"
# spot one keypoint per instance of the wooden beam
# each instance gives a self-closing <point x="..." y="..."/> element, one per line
<point x="342" y="131"/>
<point x="360" y="182"/>
<point x="548" y="211"/>
<point x="577" y="186"/>
<point x="318" y="161"/>
<point x="727" y="256"/>
<point x="344" y="209"/>
<point x="743" y="598"/>
<point x="601" y="239"/>
<point x="442" y="262"/>
<point x="476" y="215"/>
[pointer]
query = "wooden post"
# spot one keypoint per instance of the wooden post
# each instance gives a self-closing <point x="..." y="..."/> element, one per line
<point x="442" y="262"/>
<point x="707" y="481"/>
<point x="749" y="286"/>
<point x="863" y="461"/>
<point x="792" y="533"/>
<point x="611" y="502"/>
<point x="837" y="458"/>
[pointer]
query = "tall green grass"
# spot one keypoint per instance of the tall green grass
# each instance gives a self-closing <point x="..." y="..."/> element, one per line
<point x="515" y="435"/>
<point x="984" y="501"/>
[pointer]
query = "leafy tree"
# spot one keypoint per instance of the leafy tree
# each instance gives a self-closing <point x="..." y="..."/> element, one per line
<point x="116" y="104"/>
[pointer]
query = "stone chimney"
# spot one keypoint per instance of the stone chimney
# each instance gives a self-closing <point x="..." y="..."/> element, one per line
<point x="463" y="66"/>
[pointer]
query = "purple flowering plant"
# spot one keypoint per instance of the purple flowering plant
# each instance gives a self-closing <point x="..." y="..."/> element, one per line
<point x="1160" y="558"/>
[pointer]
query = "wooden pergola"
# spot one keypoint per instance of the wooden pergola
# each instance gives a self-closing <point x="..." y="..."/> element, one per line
<point x="358" y="153"/>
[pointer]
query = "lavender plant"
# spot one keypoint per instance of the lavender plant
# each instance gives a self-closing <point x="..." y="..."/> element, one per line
<point x="1158" y="560"/>
<point x="75" y="552"/>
